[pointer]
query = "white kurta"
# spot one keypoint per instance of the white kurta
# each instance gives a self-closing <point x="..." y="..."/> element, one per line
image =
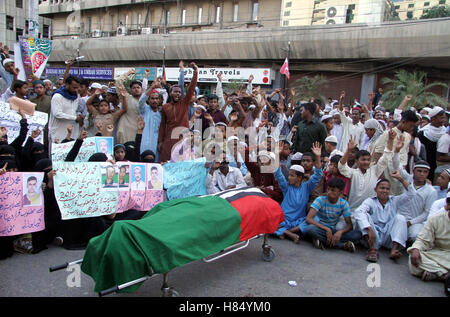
<point x="433" y="243"/>
<point x="62" y="114"/>
<point x="219" y="182"/>
<point x="363" y="184"/>
<point x="385" y="222"/>
<point x="349" y="129"/>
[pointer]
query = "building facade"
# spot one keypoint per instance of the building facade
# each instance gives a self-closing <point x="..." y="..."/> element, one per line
<point x="101" y="18"/>
<point x="15" y="20"/>
<point x="300" y="12"/>
<point x="414" y="9"/>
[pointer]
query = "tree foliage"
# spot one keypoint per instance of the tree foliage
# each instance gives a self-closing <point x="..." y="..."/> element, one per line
<point x="437" y="11"/>
<point x="308" y="88"/>
<point x="413" y="84"/>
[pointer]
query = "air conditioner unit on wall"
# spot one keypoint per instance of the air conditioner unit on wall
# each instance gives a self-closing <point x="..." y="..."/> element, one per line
<point x="146" y="30"/>
<point x="122" y="30"/>
<point x="336" y="20"/>
<point x="97" y="33"/>
<point x="335" y="11"/>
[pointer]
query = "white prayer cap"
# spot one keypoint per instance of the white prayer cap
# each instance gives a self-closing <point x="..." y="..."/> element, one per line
<point x="251" y="107"/>
<point x="427" y="109"/>
<point x="200" y="96"/>
<point x="269" y="155"/>
<point x="331" y="139"/>
<point x="426" y="117"/>
<point x="298" y="168"/>
<point x="335" y="112"/>
<point x="221" y="123"/>
<point x="47" y="81"/>
<point x="435" y="111"/>
<point x="95" y="86"/>
<point x="419" y="115"/>
<point x="297" y="156"/>
<point x="337" y="153"/>
<point x="7" y="60"/>
<point x="201" y="107"/>
<point x="243" y="144"/>
<point x="325" y="117"/>
<point x="327" y="109"/>
<point x="232" y="138"/>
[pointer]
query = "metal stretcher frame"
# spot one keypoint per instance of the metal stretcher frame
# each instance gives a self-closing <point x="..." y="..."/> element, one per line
<point x="267" y="255"/>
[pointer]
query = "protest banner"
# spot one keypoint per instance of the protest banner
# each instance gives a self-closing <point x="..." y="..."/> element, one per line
<point x="91" y="73"/>
<point x="185" y="179"/>
<point x="10" y="119"/>
<point x="92" y="189"/>
<point x="21" y="203"/>
<point x="35" y="54"/>
<point x="90" y="146"/>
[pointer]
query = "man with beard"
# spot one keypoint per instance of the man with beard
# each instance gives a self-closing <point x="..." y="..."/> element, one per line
<point x="64" y="105"/>
<point x="175" y="114"/>
<point x="126" y="126"/>
<point x="149" y="104"/>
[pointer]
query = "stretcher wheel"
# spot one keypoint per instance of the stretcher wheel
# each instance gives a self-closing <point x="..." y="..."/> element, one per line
<point x="170" y="292"/>
<point x="268" y="254"/>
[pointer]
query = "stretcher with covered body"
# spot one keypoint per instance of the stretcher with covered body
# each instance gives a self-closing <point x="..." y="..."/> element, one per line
<point x="175" y="233"/>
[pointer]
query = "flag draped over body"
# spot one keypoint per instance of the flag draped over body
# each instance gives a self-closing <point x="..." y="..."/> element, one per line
<point x="178" y="232"/>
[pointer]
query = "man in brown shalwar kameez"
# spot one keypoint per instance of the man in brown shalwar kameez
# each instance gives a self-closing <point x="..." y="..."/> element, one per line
<point x="175" y="114"/>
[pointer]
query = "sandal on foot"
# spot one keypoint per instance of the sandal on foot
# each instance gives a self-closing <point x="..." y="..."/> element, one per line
<point x="372" y="255"/>
<point x="429" y="276"/>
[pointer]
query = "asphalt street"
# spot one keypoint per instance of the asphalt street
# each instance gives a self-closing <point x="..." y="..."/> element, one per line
<point x="298" y="270"/>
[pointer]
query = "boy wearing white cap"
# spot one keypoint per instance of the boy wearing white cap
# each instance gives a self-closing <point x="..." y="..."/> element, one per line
<point x="296" y="195"/>
<point x="430" y="135"/>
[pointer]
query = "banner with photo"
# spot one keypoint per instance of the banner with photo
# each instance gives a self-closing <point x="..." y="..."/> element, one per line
<point x="10" y="119"/>
<point x="90" y="146"/>
<point x="21" y="203"/>
<point x="35" y="54"/>
<point x="92" y="189"/>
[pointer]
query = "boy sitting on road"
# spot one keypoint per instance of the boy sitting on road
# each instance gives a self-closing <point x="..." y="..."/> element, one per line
<point x="323" y="216"/>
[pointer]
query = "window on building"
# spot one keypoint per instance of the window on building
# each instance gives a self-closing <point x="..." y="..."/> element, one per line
<point x="426" y="4"/>
<point x="19" y="3"/>
<point x="287" y="13"/>
<point x="27" y="25"/>
<point x="409" y="15"/>
<point x="183" y="17"/>
<point x="441" y="1"/>
<point x="19" y="32"/>
<point x="235" y="12"/>
<point x="167" y="17"/>
<point x="199" y="17"/>
<point x="286" y="23"/>
<point x="289" y="4"/>
<point x="255" y="6"/>
<point x="218" y="14"/>
<point x="397" y="7"/>
<point x="46" y="31"/>
<point x="9" y="23"/>
<point x="411" y="5"/>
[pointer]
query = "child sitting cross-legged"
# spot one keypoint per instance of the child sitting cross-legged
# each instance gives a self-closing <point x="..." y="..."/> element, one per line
<point x="324" y="215"/>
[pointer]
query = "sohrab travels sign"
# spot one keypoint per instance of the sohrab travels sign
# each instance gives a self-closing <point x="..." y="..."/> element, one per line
<point x="262" y="76"/>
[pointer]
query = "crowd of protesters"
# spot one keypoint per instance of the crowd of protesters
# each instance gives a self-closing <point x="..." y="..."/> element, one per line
<point x="345" y="174"/>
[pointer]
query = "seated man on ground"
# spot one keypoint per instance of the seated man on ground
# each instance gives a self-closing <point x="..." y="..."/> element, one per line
<point x="222" y="177"/>
<point x="380" y="223"/>
<point x="322" y="228"/>
<point x="429" y="256"/>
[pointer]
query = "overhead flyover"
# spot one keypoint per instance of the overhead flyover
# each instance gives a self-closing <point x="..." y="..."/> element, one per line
<point x="426" y="41"/>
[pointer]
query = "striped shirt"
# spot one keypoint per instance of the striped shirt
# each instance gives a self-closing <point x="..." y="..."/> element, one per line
<point x="329" y="213"/>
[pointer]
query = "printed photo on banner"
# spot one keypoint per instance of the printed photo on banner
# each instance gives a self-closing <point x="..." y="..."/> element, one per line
<point x="138" y="177"/>
<point x="155" y="176"/>
<point x="32" y="192"/>
<point x="110" y="178"/>
<point x="124" y="176"/>
<point x="105" y="145"/>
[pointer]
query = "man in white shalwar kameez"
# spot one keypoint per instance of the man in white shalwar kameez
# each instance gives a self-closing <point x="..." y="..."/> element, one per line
<point x="430" y="254"/>
<point x="416" y="208"/>
<point x="379" y="221"/>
